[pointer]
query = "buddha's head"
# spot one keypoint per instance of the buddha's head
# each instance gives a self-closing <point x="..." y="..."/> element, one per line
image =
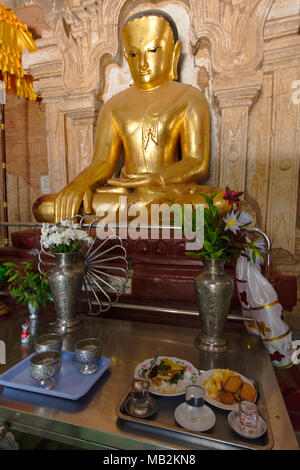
<point x="151" y="48"/>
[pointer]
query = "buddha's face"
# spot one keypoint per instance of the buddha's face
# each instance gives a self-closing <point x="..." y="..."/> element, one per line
<point x="149" y="50"/>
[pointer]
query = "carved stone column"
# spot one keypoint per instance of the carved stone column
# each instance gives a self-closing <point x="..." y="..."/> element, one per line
<point x="234" y="30"/>
<point x="46" y="65"/>
<point x="284" y="156"/>
<point x="235" y="103"/>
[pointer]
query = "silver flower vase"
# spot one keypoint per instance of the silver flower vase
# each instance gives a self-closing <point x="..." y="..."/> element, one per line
<point x="65" y="281"/>
<point x="33" y="311"/>
<point x="213" y="289"/>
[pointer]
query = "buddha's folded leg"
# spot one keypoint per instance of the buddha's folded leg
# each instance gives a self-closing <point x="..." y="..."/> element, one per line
<point x="105" y="202"/>
<point x="197" y="198"/>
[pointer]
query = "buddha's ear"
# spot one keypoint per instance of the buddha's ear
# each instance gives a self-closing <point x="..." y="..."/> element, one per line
<point x="176" y="55"/>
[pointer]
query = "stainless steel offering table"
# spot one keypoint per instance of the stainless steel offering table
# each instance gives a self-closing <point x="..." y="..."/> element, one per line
<point x="92" y="422"/>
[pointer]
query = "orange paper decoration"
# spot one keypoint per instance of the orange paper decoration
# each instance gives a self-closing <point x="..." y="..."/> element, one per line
<point x="14" y="38"/>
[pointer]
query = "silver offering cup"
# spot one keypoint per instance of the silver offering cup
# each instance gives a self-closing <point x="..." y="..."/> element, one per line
<point x="88" y="352"/>
<point x="44" y="368"/>
<point x="48" y="342"/>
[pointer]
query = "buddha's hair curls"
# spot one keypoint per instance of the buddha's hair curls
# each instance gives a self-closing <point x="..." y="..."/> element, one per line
<point x="160" y="14"/>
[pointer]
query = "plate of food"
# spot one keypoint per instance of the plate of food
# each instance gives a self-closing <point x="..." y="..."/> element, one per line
<point x="169" y="377"/>
<point x="225" y="388"/>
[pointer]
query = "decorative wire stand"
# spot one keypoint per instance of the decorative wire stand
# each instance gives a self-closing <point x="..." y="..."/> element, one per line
<point x="106" y="266"/>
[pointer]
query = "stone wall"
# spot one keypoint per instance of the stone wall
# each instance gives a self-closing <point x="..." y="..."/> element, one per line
<point x="244" y="55"/>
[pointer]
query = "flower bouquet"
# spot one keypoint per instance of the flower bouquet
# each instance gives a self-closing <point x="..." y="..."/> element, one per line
<point x="67" y="241"/>
<point x="26" y="285"/>
<point x="224" y="240"/>
<point x="66" y="237"/>
<point x="224" y="237"/>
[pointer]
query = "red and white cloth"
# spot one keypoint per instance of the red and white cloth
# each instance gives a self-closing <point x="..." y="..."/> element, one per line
<point x="259" y="300"/>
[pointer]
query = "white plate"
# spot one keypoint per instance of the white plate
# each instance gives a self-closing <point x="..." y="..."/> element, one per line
<point x="180" y="390"/>
<point x="234" y="423"/>
<point x="208" y="418"/>
<point x="212" y="401"/>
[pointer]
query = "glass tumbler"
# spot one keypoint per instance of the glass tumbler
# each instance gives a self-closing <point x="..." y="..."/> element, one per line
<point x="140" y="396"/>
<point x="194" y="398"/>
<point x="248" y="416"/>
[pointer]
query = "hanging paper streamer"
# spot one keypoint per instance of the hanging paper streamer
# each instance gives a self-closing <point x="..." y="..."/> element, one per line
<point x="14" y="38"/>
<point x="267" y="313"/>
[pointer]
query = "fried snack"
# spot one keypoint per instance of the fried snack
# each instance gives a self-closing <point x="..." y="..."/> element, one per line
<point x="226" y="397"/>
<point x="247" y="393"/>
<point x="226" y="374"/>
<point x="233" y="384"/>
<point x="215" y="383"/>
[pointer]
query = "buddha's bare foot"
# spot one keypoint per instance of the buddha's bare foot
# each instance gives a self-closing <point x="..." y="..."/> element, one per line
<point x="44" y="208"/>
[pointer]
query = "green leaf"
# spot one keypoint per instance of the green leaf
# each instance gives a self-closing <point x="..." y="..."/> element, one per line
<point x="223" y="237"/>
<point x="195" y="254"/>
<point x="22" y="297"/>
<point x="27" y="266"/>
<point x="12" y="278"/>
<point x="10" y="265"/>
<point x="214" y="210"/>
<point x="207" y="246"/>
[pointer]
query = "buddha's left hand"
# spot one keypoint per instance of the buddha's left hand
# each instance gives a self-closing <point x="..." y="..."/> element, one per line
<point x="134" y="181"/>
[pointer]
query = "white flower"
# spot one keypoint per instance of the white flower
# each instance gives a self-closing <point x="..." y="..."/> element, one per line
<point x="67" y="234"/>
<point x="231" y="221"/>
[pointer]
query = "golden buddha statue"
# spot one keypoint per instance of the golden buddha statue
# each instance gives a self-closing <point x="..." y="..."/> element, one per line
<point x="162" y="126"/>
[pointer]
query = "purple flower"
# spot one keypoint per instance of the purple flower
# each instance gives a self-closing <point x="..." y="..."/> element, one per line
<point x="244" y="219"/>
<point x="232" y="197"/>
<point x="260" y="245"/>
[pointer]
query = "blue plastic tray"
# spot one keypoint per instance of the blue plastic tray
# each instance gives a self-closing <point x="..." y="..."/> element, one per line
<point x="70" y="383"/>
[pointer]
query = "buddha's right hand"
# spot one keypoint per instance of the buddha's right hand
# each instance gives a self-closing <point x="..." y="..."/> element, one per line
<point x="69" y="200"/>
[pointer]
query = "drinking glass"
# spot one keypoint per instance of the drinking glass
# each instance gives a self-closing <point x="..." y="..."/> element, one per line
<point x="140" y="396"/>
<point x="194" y="398"/>
<point x="248" y="414"/>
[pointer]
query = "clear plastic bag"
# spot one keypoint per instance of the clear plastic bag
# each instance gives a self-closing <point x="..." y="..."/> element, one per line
<point x="260" y="301"/>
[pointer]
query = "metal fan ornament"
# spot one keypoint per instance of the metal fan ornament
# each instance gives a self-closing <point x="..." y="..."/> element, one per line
<point x="105" y="263"/>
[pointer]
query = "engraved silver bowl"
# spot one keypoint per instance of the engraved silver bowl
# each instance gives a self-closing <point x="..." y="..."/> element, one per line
<point x="48" y="342"/>
<point x="87" y="353"/>
<point x="44" y="368"/>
